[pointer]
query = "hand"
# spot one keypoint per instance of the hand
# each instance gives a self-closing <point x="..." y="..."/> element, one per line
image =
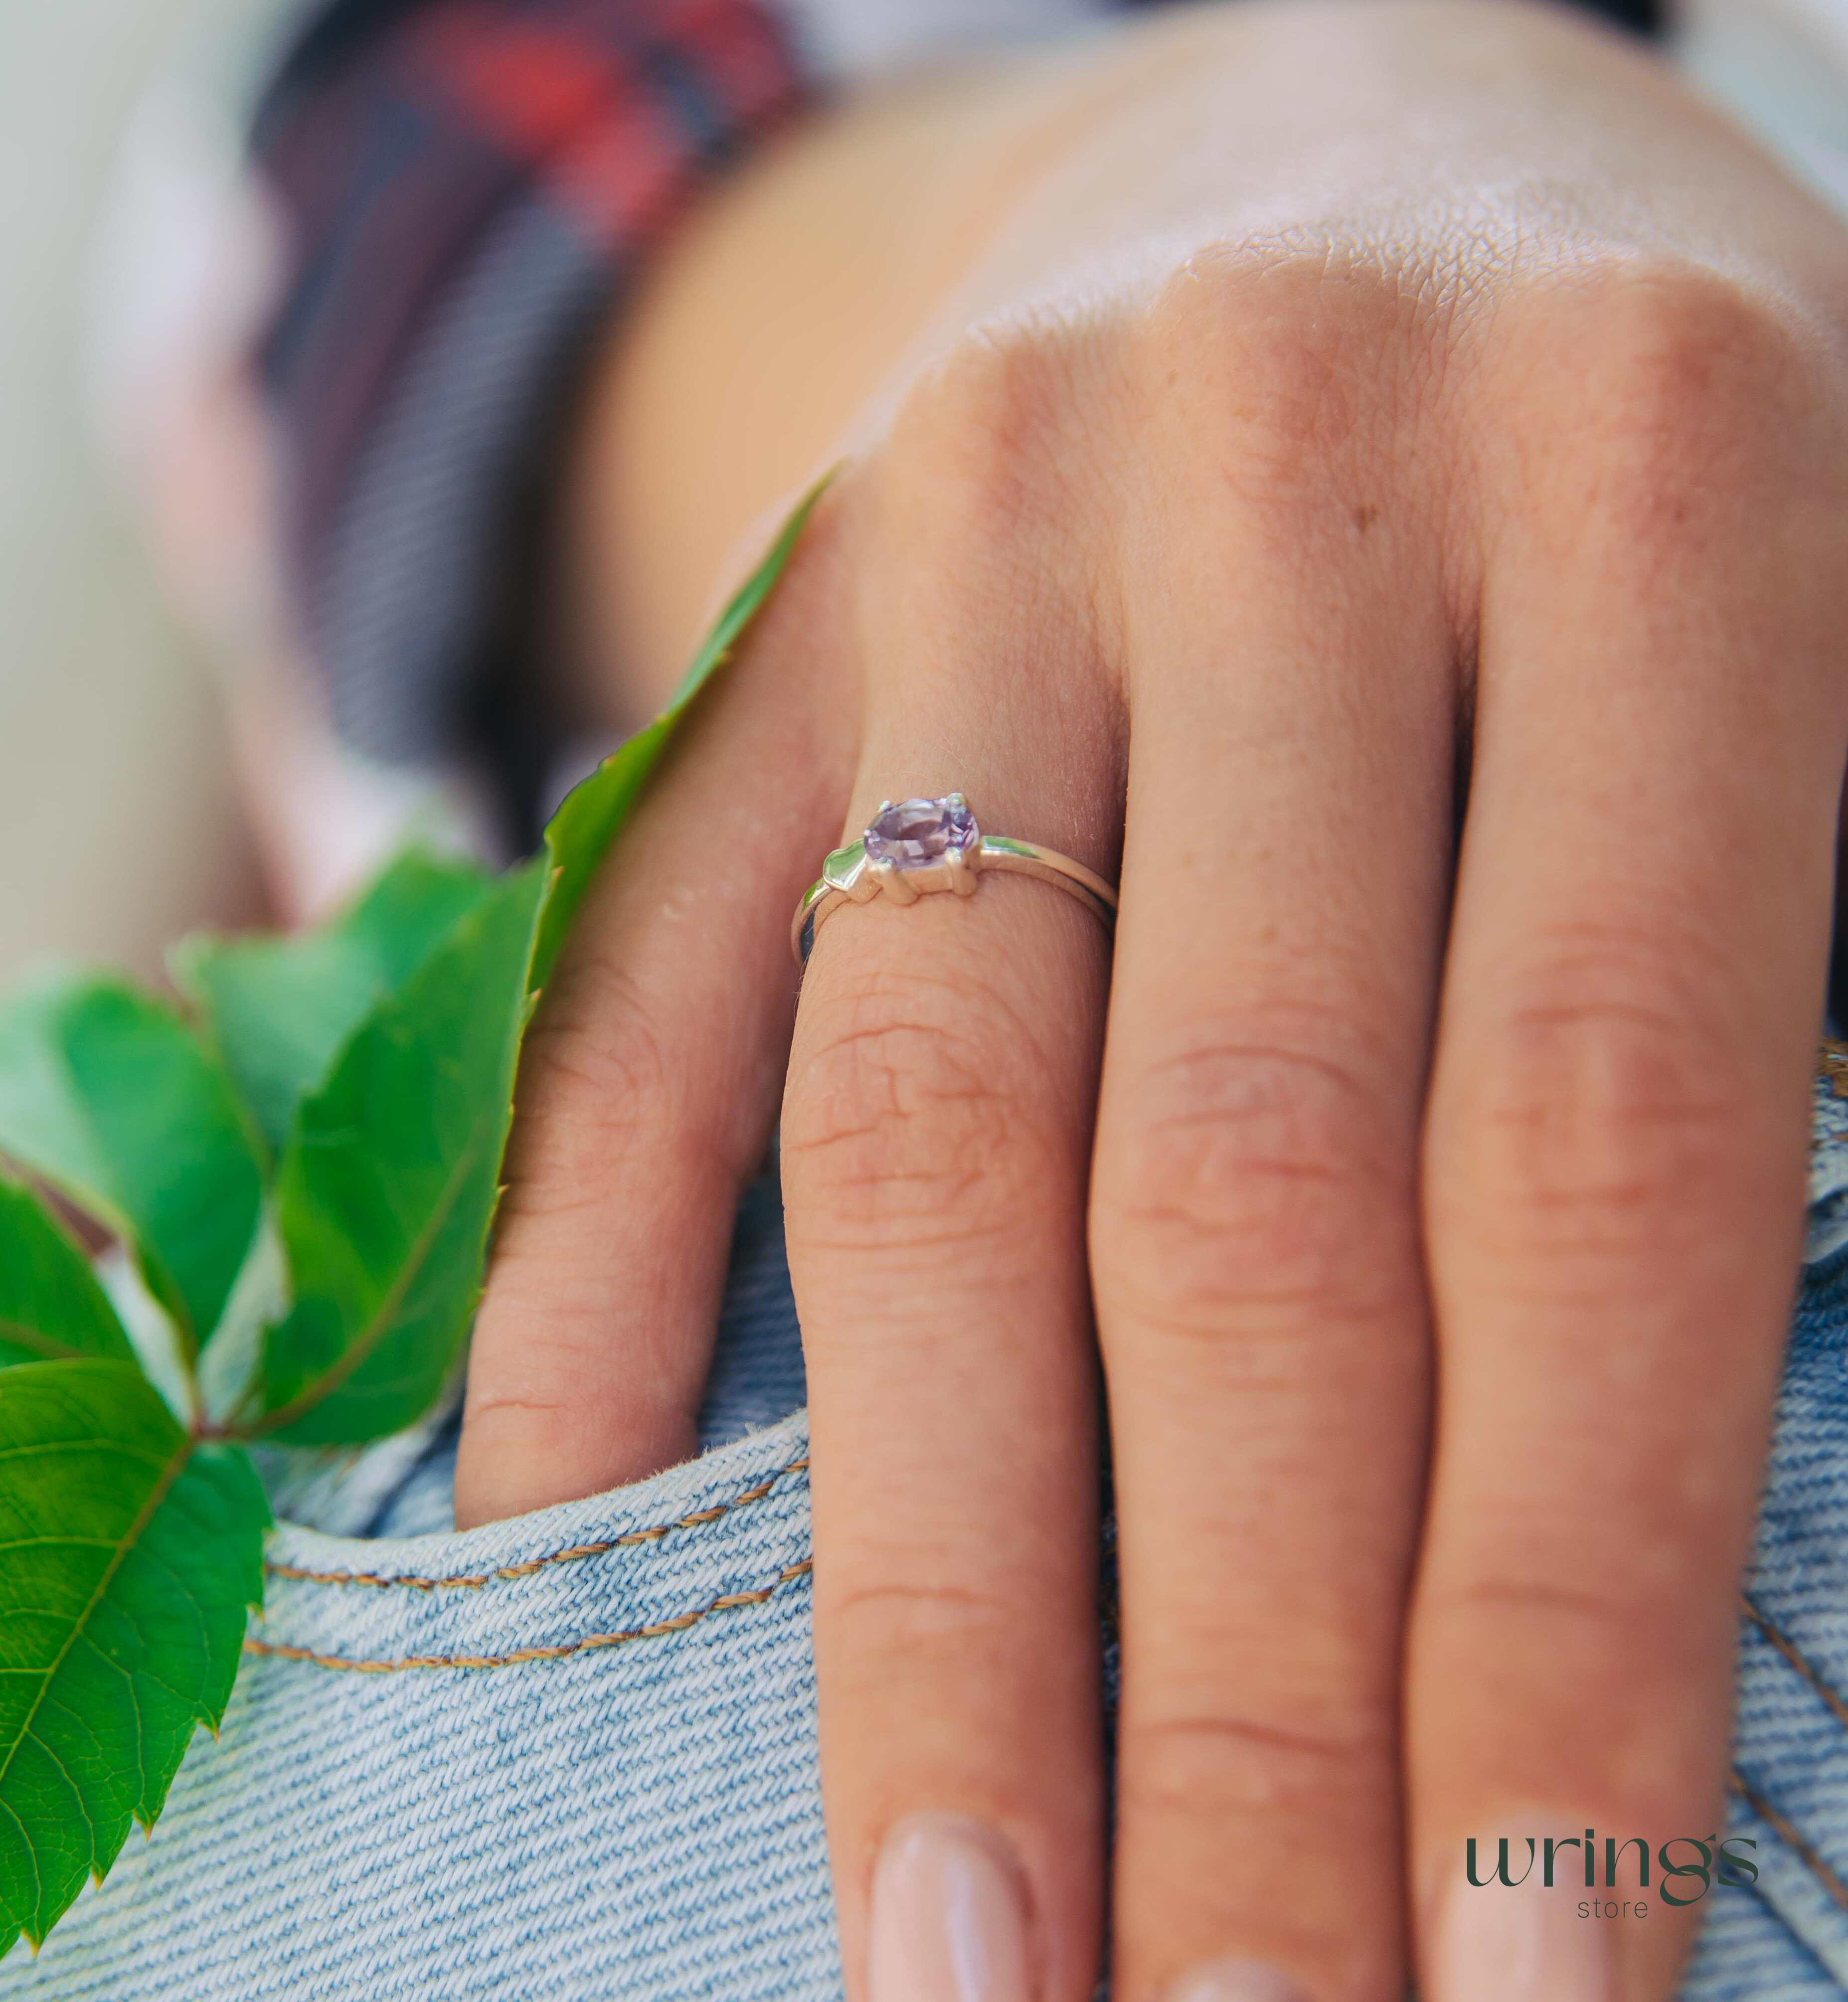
<point x="1382" y="495"/>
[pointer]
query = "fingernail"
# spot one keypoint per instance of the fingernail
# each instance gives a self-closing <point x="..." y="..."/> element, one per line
<point x="1235" y="1981"/>
<point x="949" y="1915"/>
<point x="1527" y="1944"/>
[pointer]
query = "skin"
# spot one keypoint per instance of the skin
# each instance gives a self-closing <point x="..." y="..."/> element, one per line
<point x="1372" y="480"/>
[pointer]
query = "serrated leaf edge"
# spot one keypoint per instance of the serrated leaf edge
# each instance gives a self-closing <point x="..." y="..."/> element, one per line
<point x="157" y="1493"/>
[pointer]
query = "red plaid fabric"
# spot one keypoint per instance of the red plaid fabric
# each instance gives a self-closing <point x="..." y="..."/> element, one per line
<point x="466" y="185"/>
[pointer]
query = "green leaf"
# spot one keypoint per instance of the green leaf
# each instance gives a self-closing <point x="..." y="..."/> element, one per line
<point x="128" y="1556"/>
<point x="588" y="821"/>
<point x="384" y="1197"/>
<point x="279" y="1008"/>
<point x="114" y="1101"/>
<point x="50" y="1304"/>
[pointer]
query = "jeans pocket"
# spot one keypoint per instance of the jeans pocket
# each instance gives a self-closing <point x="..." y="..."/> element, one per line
<point x="571" y="1756"/>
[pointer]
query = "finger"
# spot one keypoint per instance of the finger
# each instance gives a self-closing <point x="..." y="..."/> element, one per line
<point x="649" y="1081"/>
<point x="934" y="1147"/>
<point x="1253" y="1235"/>
<point x="1614" y="1174"/>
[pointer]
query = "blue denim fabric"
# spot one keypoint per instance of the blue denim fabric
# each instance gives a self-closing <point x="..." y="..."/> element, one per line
<point x="1790" y="1731"/>
<point x="572" y="1756"/>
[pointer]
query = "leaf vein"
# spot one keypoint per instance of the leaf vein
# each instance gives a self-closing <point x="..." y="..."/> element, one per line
<point x="156" y="1494"/>
<point x="356" y="1352"/>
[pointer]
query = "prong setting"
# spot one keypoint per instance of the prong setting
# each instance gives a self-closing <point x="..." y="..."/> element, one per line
<point x="913" y="847"/>
<point x="888" y="880"/>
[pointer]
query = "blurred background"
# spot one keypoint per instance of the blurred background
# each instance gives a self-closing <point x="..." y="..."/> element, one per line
<point x="118" y="822"/>
<point x="120" y="825"/>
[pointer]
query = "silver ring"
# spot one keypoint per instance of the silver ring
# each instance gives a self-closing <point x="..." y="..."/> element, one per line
<point x="911" y="847"/>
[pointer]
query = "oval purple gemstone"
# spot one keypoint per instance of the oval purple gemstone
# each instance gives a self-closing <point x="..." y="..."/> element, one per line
<point x="915" y="834"/>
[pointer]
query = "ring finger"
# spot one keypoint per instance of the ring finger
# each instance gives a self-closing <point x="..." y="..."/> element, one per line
<point x="935" y="1142"/>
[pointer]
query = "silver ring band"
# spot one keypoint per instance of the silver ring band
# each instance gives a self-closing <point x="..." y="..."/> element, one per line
<point x="912" y="847"/>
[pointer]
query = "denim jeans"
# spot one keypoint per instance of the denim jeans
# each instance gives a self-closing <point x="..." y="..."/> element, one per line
<point x="572" y="1756"/>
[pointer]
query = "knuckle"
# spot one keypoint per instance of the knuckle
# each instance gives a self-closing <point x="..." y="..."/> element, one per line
<point x="887" y="1615"/>
<point x="912" y="1117"/>
<point x="1625" y="1626"/>
<point x="595" y="1047"/>
<point x="990" y="478"/>
<point x="1302" y="350"/>
<point x="1694" y="392"/>
<point x="1194" y="1767"/>
<point x="1238" y="1175"/>
<point x="1675" y="334"/>
<point x="979" y="446"/>
<point x="1490" y="1597"/>
<point x="606" y="1098"/>
<point x="1592" y="1110"/>
<point x="549" y="1284"/>
<point x="1622" y="1665"/>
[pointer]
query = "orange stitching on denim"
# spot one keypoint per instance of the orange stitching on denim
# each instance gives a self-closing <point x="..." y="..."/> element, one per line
<point x="1779" y="1825"/>
<point x="1835" y="1064"/>
<point x="575" y="1554"/>
<point x="730" y="1602"/>
<point x="1832" y="1697"/>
